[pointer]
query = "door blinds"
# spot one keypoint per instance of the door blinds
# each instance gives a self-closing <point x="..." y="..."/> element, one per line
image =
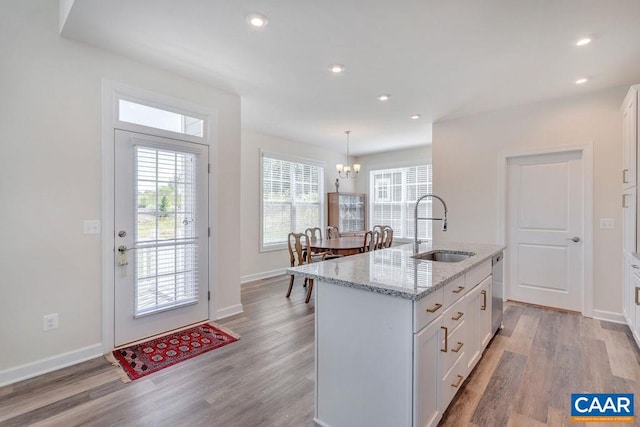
<point x="166" y="230"/>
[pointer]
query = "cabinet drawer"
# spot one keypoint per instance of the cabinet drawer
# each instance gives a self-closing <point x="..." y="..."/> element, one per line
<point x="454" y="290"/>
<point x="452" y="347"/>
<point x="477" y="275"/>
<point x="451" y="383"/>
<point x="427" y="309"/>
<point x="454" y="315"/>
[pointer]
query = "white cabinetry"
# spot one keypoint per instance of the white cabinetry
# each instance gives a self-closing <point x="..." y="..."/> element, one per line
<point x="478" y="312"/>
<point x="630" y="264"/>
<point x="485" y="312"/>
<point x="383" y="360"/>
<point x="629" y="138"/>
<point x="427" y="343"/>
<point x="634" y="293"/>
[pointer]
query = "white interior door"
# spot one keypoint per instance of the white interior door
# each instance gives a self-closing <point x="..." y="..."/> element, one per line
<point x="161" y="234"/>
<point x="545" y="211"/>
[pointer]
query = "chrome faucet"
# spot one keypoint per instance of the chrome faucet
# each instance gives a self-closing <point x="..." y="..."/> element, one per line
<point x="416" y="242"/>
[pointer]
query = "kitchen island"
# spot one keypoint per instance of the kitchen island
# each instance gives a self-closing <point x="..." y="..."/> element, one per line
<point x="395" y="335"/>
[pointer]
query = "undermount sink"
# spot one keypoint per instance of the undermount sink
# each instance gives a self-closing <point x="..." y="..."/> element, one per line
<point x="444" y="256"/>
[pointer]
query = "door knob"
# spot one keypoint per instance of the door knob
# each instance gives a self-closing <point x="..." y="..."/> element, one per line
<point x="574" y="239"/>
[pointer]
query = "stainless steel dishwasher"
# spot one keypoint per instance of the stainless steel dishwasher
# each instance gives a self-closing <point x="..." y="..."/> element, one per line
<point x="496" y="292"/>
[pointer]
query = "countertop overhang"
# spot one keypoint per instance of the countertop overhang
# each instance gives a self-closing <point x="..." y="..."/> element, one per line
<point x="395" y="272"/>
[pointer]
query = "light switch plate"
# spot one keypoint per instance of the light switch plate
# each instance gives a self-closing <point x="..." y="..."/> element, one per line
<point x="606" y="223"/>
<point x="92" y="227"/>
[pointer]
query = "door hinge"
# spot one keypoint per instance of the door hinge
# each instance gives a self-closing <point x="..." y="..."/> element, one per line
<point x="209" y="168"/>
<point x="208" y="295"/>
<point x="209" y="231"/>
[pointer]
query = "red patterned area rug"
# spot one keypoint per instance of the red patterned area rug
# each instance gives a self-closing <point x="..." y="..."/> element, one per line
<point x="145" y="358"/>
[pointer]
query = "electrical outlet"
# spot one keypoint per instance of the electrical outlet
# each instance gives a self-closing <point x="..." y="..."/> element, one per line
<point x="92" y="227"/>
<point x="50" y="321"/>
<point x="606" y="223"/>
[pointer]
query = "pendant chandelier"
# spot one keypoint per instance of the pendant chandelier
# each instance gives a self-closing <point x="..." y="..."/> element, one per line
<point x="345" y="171"/>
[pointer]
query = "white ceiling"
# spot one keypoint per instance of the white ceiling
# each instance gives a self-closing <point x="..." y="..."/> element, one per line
<point x="441" y="59"/>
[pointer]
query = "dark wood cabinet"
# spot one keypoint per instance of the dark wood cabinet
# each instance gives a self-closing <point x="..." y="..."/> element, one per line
<point x="348" y="212"/>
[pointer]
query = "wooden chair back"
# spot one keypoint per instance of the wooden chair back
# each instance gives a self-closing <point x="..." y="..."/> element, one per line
<point x="332" y="232"/>
<point x="378" y="229"/>
<point x="298" y="253"/>
<point x="370" y="241"/>
<point x="387" y="237"/>
<point x="313" y="233"/>
<point x="298" y="244"/>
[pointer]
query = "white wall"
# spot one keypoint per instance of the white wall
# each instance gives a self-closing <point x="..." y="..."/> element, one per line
<point x="256" y="264"/>
<point x="50" y="181"/>
<point x="405" y="157"/>
<point x="465" y="159"/>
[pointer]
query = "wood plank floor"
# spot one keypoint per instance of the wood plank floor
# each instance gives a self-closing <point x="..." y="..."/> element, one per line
<point x="525" y="378"/>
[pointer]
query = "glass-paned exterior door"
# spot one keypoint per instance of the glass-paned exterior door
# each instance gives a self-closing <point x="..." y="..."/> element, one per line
<point x="161" y="226"/>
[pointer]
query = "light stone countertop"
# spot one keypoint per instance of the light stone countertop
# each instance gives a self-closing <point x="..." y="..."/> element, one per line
<point x="395" y="272"/>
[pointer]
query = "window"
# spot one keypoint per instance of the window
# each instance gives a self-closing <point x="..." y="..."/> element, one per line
<point x="140" y="114"/>
<point x="292" y="191"/>
<point x="394" y="194"/>
<point x="166" y="236"/>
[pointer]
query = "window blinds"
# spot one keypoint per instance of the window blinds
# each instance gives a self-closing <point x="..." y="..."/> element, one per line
<point x="291" y="198"/>
<point x="166" y="235"/>
<point x="393" y="196"/>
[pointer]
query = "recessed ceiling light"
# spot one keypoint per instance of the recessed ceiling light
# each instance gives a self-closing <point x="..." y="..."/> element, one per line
<point x="415" y="116"/>
<point x="383" y="97"/>
<point x="336" y="68"/>
<point x="583" y="41"/>
<point x="257" y="20"/>
<point x="582" y="80"/>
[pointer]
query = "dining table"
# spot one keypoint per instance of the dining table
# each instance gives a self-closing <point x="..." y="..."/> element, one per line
<point x="341" y="246"/>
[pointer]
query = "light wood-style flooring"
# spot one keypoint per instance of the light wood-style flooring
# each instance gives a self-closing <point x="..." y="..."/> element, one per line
<point x="525" y="378"/>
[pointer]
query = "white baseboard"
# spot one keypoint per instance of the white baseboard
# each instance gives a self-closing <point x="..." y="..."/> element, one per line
<point x="609" y="316"/>
<point x="228" y="311"/>
<point x="263" y="275"/>
<point x="39" y="367"/>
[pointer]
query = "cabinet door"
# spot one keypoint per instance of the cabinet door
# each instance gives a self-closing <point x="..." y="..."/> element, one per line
<point x="347" y="211"/>
<point x="634" y="296"/>
<point x="628" y="303"/>
<point x="426" y="384"/>
<point x="473" y="300"/>
<point x="636" y="318"/>
<point x="485" y="312"/>
<point x="629" y="139"/>
<point x="629" y="220"/>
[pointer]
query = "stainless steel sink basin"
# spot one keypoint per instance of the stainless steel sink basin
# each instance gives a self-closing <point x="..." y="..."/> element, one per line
<point x="444" y="256"/>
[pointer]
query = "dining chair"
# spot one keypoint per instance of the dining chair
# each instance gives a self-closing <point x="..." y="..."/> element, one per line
<point x="333" y="232"/>
<point x="387" y="237"/>
<point x="297" y="243"/>
<point x="380" y="230"/>
<point x="370" y="241"/>
<point x="315" y="233"/>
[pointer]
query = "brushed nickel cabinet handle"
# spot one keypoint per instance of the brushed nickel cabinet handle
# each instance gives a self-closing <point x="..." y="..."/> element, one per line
<point x="634" y="266"/>
<point x="457" y="383"/>
<point x="434" y="308"/>
<point x="484" y="300"/>
<point x="624" y="201"/>
<point x="460" y="289"/>
<point x="637" y="295"/>
<point x="460" y="314"/>
<point x="624" y="176"/>
<point x="446" y="339"/>
<point x="458" y="347"/>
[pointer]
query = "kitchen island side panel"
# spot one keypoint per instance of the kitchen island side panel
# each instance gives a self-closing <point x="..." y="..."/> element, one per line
<point x="364" y="358"/>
